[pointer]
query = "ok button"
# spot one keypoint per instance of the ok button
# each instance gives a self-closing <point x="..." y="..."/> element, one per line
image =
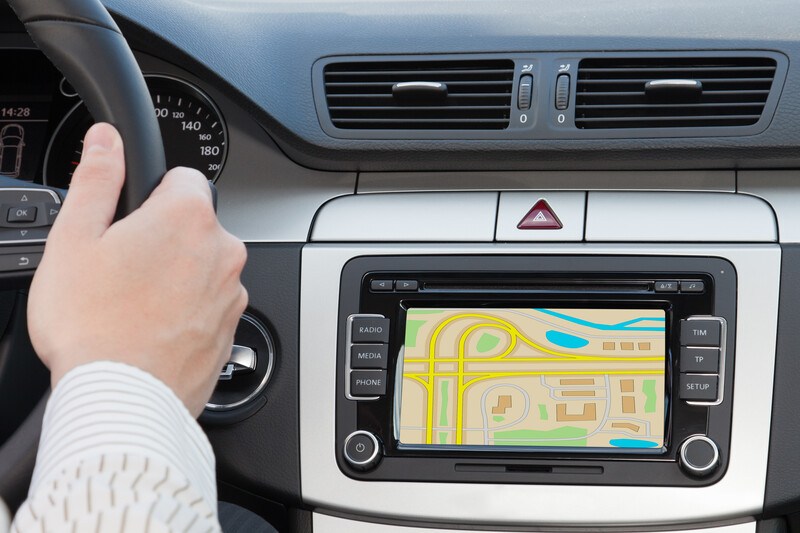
<point x="21" y="214"/>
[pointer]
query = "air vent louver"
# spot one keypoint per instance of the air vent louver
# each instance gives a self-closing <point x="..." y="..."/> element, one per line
<point x="474" y="95"/>
<point x="611" y="92"/>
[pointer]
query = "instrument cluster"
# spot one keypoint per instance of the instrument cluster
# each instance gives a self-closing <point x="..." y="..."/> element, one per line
<point x="43" y="121"/>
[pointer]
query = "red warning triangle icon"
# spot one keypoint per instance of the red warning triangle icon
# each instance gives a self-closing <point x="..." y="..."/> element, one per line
<point x="541" y="216"/>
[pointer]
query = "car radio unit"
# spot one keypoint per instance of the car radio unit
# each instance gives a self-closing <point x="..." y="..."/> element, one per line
<point x="536" y="369"/>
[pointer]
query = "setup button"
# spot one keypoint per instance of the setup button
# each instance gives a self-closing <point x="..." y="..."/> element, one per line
<point x="698" y="387"/>
<point x="368" y="382"/>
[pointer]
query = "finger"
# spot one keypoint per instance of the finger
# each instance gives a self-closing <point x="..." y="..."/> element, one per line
<point x="183" y="181"/>
<point x="96" y="184"/>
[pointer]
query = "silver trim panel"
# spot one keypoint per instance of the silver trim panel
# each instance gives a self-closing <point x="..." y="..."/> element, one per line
<point x="404" y="217"/>
<point x="678" y="217"/>
<point x="332" y="524"/>
<point x="781" y="188"/>
<point x="740" y="493"/>
<point x="661" y="180"/>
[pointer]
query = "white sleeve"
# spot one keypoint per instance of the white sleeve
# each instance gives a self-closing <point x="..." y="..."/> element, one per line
<point x="119" y="451"/>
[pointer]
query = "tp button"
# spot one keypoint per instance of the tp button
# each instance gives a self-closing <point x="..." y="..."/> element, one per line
<point x="361" y="450"/>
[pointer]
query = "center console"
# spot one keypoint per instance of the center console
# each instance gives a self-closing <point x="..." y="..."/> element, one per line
<point x="537" y="383"/>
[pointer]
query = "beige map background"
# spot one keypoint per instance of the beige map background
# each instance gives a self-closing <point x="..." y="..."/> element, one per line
<point x="534" y="377"/>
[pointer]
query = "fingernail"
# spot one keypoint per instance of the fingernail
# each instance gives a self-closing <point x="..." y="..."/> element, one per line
<point x="99" y="137"/>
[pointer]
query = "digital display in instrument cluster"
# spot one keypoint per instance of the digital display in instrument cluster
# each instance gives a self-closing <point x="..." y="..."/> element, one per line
<point x="26" y="98"/>
<point x="538" y="377"/>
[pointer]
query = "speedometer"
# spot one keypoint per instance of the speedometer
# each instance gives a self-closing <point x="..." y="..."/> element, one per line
<point x="192" y="128"/>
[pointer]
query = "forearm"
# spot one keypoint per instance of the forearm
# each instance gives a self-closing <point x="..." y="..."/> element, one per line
<point x="119" y="447"/>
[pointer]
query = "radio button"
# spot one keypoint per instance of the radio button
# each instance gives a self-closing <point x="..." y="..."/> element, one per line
<point x="698" y="388"/>
<point x="362" y="450"/>
<point x="666" y="286"/>
<point x="700" y="360"/>
<point x="370" y="330"/>
<point x="368" y="382"/>
<point x="369" y="356"/>
<point x="699" y="455"/>
<point x="700" y="332"/>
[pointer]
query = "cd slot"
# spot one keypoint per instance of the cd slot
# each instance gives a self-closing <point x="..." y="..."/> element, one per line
<point x="539" y="285"/>
<point x="528" y="469"/>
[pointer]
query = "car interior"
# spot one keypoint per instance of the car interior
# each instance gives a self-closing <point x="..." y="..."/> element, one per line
<point x="512" y="266"/>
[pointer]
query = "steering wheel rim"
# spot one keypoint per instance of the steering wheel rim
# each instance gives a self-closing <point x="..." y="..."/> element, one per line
<point x="85" y="44"/>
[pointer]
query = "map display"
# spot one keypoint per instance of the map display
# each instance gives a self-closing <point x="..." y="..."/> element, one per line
<point x="582" y="378"/>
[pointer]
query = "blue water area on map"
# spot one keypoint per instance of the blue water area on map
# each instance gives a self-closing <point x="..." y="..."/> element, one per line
<point x="565" y="340"/>
<point x="632" y="443"/>
<point x="628" y="325"/>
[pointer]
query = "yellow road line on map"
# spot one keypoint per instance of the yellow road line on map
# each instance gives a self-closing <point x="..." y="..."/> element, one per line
<point x="532" y="359"/>
<point x="515" y="334"/>
<point x="545" y="373"/>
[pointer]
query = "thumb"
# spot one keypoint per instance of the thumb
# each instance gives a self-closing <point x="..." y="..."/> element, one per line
<point x="96" y="184"/>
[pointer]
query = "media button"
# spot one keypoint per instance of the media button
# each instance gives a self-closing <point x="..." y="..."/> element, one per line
<point x="370" y="330"/>
<point x="369" y="355"/>
<point x="700" y="360"/>
<point x="698" y="388"/>
<point x="368" y="382"/>
<point x="700" y="332"/>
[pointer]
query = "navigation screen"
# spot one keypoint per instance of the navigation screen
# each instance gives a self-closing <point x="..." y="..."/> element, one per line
<point x="568" y="378"/>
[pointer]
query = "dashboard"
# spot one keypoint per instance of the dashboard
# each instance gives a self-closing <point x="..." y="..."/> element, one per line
<point x="510" y="268"/>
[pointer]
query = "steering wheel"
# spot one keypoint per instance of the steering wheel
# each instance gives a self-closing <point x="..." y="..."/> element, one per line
<point x="85" y="44"/>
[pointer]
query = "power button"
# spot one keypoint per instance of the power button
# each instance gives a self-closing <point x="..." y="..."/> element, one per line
<point x="361" y="450"/>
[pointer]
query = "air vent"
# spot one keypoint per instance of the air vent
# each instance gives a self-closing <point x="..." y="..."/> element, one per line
<point x="420" y="95"/>
<point x="685" y="92"/>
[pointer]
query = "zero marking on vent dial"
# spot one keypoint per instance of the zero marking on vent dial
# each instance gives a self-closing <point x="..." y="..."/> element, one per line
<point x="194" y="132"/>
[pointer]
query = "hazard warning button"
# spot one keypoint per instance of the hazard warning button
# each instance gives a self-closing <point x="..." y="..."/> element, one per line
<point x="561" y="212"/>
<point x="541" y="216"/>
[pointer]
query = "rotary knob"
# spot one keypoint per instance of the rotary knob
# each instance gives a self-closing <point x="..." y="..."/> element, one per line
<point x="699" y="456"/>
<point x="362" y="450"/>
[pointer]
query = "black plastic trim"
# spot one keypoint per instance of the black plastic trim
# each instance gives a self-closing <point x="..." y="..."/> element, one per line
<point x="543" y="120"/>
<point x="782" y="495"/>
